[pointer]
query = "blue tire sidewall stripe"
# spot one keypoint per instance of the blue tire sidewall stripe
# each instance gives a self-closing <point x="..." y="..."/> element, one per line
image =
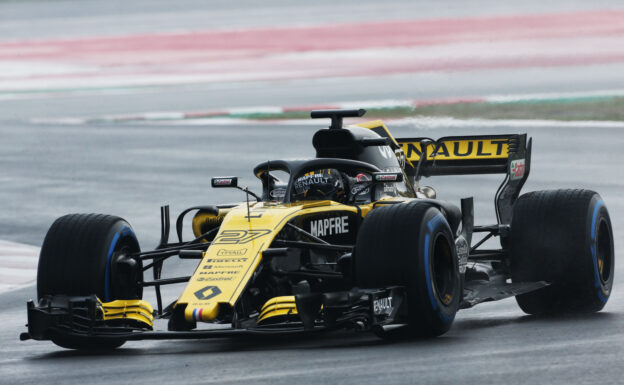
<point x="434" y="303"/>
<point x="125" y="231"/>
<point x="593" y="251"/>
<point x="432" y="225"/>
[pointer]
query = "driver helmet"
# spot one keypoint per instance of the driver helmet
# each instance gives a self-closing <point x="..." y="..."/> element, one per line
<point x="326" y="184"/>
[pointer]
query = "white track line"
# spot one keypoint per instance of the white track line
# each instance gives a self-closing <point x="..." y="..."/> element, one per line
<point x="18" y="265"/>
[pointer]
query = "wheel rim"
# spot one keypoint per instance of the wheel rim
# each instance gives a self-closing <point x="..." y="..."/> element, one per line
<point x="443" y="270"/>
<point x="604" y="252"/>
<point x="123" y="280"/>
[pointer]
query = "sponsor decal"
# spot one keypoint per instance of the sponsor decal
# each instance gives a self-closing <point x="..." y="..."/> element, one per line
<point x="224" y="181"/>
<point x="356" y="190"/>
<point x="386" y="177"/>
<point x="214" y="279"/>
<point x="233" y="267"/>
<point x="302" y="183"/>
<point x="217" y="267"/>
<point x="517" y="169"/>
<point x="207" y="292"/>
<point x="220" y="272"/>
<point x="225" y="260"/>
<point x="234" y="237"/>
<point x="389" y="189"/>
<point x="231" y="253"/>
<point x="329" y="226"/>
<point x="382" y="306"/>
<point x="278" y="193"/>
<point x="459" y="149"/>
<point x="463" y="250"/>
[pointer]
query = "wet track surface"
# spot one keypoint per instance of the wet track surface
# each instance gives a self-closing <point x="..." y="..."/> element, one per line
<point x="491" y="343"/>
<point x="48" y="170"/>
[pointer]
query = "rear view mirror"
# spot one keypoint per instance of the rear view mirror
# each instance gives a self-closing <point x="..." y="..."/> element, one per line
<point x="224" y="181"/>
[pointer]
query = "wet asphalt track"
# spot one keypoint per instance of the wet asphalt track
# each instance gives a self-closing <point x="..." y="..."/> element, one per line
<point x="53" y="170"/>
<point x="129" y="170"/>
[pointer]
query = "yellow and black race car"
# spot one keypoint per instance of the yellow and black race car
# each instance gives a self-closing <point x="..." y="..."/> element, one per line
<point x="346" y="240"/>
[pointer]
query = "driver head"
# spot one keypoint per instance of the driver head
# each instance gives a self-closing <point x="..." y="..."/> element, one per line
<point x="325" y="184"/>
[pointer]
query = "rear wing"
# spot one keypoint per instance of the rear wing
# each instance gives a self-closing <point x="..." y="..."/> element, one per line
<point x="481" y="154"/>
<point x="461" y="155"/>
<point x="464" y="155"/>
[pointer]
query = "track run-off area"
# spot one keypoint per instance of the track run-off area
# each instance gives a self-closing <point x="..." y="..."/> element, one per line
<point x="93" y="98"/>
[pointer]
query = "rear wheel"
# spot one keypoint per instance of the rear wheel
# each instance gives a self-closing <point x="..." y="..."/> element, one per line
<point x="563" y="237"/>
<point x="86" y="254"/>
<point x="412" y="245"/>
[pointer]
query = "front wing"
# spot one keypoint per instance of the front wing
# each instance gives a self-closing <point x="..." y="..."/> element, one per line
<point x="358" y="309"/>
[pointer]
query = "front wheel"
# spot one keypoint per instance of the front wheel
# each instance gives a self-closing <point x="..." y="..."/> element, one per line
<point x="86" y="254"/>
<point x="412" y="245"/>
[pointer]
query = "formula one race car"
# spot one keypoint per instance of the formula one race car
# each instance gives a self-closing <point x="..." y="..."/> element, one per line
<point x="346" y="240"/>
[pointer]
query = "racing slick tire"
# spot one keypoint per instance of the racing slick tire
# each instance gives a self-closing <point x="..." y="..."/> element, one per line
<point x="79" y="257"/>
<point x="411" y="245"/>
<point x="563" y="237"/>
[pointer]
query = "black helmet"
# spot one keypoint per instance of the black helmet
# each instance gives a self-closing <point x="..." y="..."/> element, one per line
<point x="324" y="184"/>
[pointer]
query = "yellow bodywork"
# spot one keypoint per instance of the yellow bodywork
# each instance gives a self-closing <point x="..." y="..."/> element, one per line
<point x="459" y="149"/>
<point x="278" y="306"/>
<point x="235" y="253"/>
<point x="133" y="309"/>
